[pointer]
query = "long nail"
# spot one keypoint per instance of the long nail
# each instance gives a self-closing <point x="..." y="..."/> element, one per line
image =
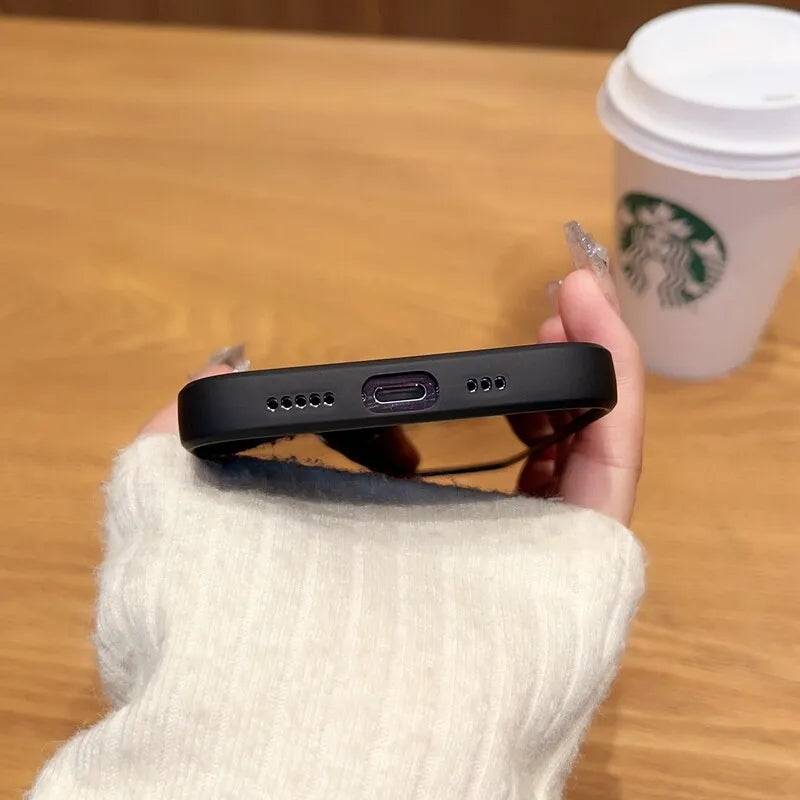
<point x="552" y="288"/>
<point x="588" y="254"/>
<point x="585" y="251"/>
<point x="233" y="356"/>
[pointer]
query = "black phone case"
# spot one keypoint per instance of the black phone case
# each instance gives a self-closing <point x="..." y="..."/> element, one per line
<point x="225" y="414"/>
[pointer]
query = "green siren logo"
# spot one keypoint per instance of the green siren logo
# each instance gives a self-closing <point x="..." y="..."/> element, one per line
<point x="659" y="238"/>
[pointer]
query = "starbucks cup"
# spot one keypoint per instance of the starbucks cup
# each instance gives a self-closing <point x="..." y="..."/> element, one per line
<point x="704" y="107"/>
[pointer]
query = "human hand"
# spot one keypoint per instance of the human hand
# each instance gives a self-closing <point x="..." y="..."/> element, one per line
<point x="599" y="467"/>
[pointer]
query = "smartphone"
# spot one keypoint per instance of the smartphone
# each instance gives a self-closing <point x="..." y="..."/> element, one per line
<point x="225" y="414"/>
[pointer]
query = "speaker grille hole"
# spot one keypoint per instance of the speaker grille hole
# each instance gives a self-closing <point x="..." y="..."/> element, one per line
<point x="287" y="402"/>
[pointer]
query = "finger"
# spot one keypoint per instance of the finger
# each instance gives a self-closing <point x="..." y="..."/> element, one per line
<point x="559" y="420"/>
<point x="385" y="450"/>
<point x="165" y="420"/>
<point x="532" y="428"/>
<point x="537" y="478"/>
<point x="605" y="459"/>
<point x="552" y="331"/>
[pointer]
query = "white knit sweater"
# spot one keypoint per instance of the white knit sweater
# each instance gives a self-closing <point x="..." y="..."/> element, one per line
<point x="267" y="630"/>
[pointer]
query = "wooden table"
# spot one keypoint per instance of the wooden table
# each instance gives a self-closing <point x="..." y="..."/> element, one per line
<point x="164" y="193"/>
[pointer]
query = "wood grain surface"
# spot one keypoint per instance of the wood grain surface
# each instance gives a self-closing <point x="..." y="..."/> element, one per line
<point x="164" y="193"/>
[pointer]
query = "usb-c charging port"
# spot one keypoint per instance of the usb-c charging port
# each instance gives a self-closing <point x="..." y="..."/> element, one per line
<point x="401" y="393"/>
<point x="407" y="391"/>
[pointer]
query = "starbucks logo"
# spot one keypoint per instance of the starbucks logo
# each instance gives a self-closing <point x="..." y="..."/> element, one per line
<point x="666" y="246"/>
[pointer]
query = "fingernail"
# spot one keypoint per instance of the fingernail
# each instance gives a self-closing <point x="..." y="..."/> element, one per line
<point x="552" y="288"/>
<point x="588" y="254"/>
<point x="585" y="251"/>
<point x="233" y="356"/>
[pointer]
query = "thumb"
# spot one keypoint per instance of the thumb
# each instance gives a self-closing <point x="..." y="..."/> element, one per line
<point x="605" y="460"/>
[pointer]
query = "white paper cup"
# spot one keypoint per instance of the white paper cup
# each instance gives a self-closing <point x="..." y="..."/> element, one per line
<point x="704" y="105"/>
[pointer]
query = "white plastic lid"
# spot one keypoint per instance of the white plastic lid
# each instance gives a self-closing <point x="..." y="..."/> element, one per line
<point x="711" y="89"/>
